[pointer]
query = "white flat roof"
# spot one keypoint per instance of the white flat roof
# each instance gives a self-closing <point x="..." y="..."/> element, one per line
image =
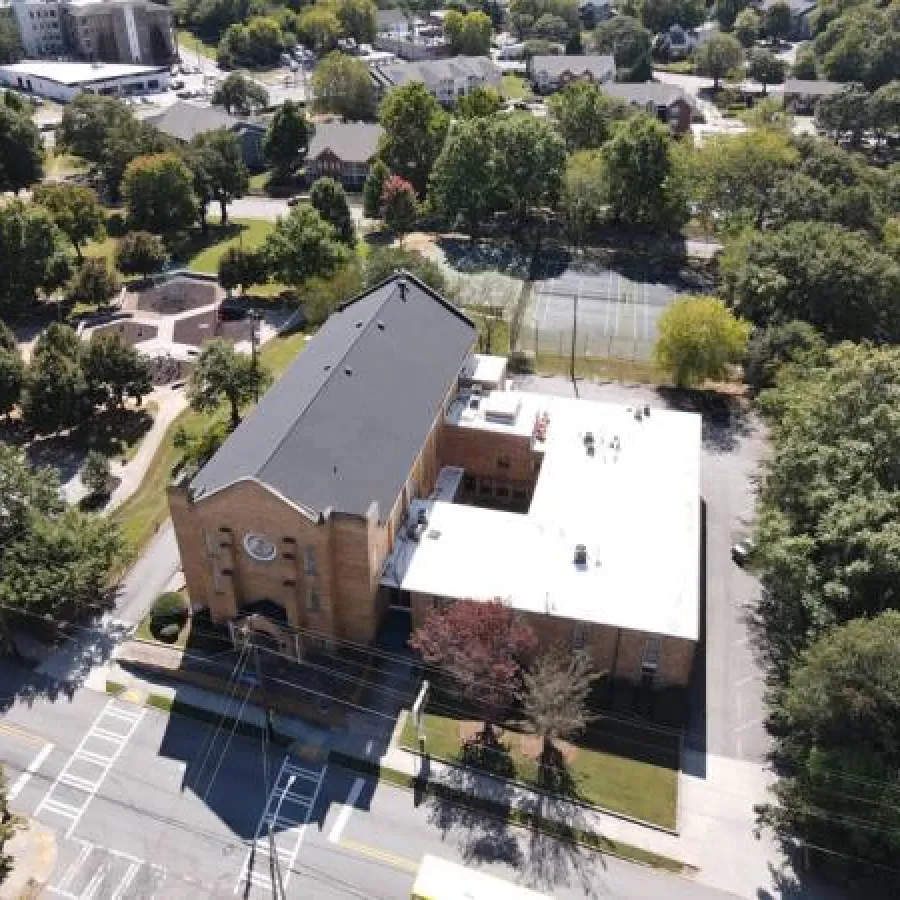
<point x="72" y="73"/>
<point x="485" y="369"/>
<point x="636" y="509"/>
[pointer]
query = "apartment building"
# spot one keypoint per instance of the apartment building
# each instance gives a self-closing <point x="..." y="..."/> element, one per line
<point x="391" y="469"/>
<point x="446" y="79"/>
<point x="132" y="32"/>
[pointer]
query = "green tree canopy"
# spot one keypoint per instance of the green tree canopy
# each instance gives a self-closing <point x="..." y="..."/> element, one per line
<point x="382" y="262"/>
<point x="342" y="85"/>
<point x="242" y="268"/>
<point x="718" y="56"/>
<point x="159" y="194"/>
<point x="10" y="48"/>
<point x="26" y="492"/>
<point x="463" y="181"/>
<point x="414" y="130"/>
<point x="747" y="27"/>
<point x="56" y="394"/>
<point x="357" y="18"/>
<point x="141" y="253"/>
<point x="34" y="256"/>
<point x="221" y="373"/>
<point x="645" y="183"/>
<point x="777" y="22"/>
<point x="584" y="195"/>
<point x="21" y="150"/>
<point x="12" y="371"/>
<point x="318" y="28"/>
<point x="814" y="271"/>
<point x="302" y="246"/>
<point x="220" y="176"/>
<point x="846" y="113"/>
<point x="373" y="189"/>
<point x="75" y="210"/>
<point x="95" y="474"/>
<point x="659" y="15"/>
<point x="697" y="339"/>
<point x="584" y="115"/>
<point x="468" y="34"/>
<point x="114" y="370"/>
<point x="770" y="348"/>
<point x="480" y="102"/>
<point x="805" y="66"/>
<point x="328" y="199"/>
<point x="399" y="205"/>
<point x="629" y="43"/>
<point x="93" y="283"/>
<point x="287" y="139"/>
<point x="240" y="95"/>
<point x="253" y="45"/>
<point x="766" y="68"/>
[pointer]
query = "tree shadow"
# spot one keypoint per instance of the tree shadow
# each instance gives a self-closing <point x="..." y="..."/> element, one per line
<point x="726" y="419"/>
<point x="473" y="258"/>
<point x="487" y="752"/>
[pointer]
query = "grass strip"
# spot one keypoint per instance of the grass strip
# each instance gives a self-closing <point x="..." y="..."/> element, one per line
<point x="559" y="830"/>
<point x="114" y="687"/>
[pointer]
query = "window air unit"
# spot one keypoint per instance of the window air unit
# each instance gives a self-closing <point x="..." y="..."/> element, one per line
<point x="580" y="555"/>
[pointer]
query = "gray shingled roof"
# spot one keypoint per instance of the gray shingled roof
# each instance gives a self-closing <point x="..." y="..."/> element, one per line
<point x="653" y="92"/>
<point x="345" y="423"/>
<point x="353" y="142"/>
<point x="184" y="121"/>
<point x="597" y="66"/>
<point x="794" y="86"/>
<point x="433" y="71"/>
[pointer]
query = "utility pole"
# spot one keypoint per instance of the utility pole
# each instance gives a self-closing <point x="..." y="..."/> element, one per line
<point x="267" y="735"/>
<point x="254" y="351"/>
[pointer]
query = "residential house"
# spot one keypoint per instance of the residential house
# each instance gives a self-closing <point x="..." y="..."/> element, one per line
<point x="391" y="471"/>
<point x="593" y="12"/>
<point x="344" y="152"/>
<point x="184" y="121"/>
<point x="446" y="79"/>
<point x="671" y="104"/>
<point x="801" y="96"/>
<point x="551" y="73"/>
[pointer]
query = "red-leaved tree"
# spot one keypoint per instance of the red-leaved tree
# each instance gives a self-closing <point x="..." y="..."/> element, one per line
<point x="482" y="644"/>
<point x="398" y="201"/>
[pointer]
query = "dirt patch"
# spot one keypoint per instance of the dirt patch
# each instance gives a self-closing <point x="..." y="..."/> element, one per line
<point x="199" y="329"/>
<point x="179" y="295"/>
<point x="531" y="746"/>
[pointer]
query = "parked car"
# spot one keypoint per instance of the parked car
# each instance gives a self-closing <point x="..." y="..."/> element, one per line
<point x="293" y="201"/>
<point x="740" y="552"/>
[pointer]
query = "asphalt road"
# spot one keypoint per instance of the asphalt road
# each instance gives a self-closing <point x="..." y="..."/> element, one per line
<point x="141" y="810"/>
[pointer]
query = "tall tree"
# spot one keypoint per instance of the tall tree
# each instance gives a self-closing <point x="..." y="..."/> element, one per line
<point x="25" y="492"/>
<point x="629" y="43"/>
<point x="319" y="28"/>
<point x="747" y="27"/>
<point x="221" y="373"/>
<point x="357" y="18"/>
<point x="383" y="262"/>
<point x="75" y="210"/>
<point x="697" y="339"/>
<point x="343" y="85"/>
<point x="770" y="348"/>
<point x="733" y="176"/>
<point x="56" y="395"/>
<point x="159" y="194"/>
<point x="11" y="50"/>
<point x="646" y="188"/>
<point x="114" y="370"/>
<point x="585" y="115"/>
<point x="141" y="253"/>
<point x="584" y="194"/>
<point x="242" y="268"/>
<point x="480" y="102"/>
<point x="373" y="189"/>
<point x="414" y="130"/>
<point x="303" y="246"/>
<point x="838" y="743"/>
<point x="529" y="165"/>
<point x="21" y="150"/>
<point x="61" y="567"/>
<point x="554" y="697"/>
<point x="817" y="272"/>
<point x="468" y="34"/>
<point x="287" y="139"/>
<point x="240" y="95"/>
<point x="217" y="163"/>
<point x="12" y="371"/>
<point x="399" y="205"/>
<point x="462" y="181"/>
<point x="328" y="199"/>
<point x="777" y="22"/>
<point x="847" y="112"/>
<point x="93" y="283"/>
<point x="254" y="44"/>
<point x="95" y="473"/>
<point x="482" y="645"/>
<point x="766" y="68"/>
<point x="717" y="56"/>
<point x="34" y="257"/>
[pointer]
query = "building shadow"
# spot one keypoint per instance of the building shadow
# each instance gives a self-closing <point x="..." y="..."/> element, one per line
<point x="695" y="740"/>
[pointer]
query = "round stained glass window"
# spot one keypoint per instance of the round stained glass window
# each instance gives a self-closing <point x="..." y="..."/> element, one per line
<point x="259" y="547"/>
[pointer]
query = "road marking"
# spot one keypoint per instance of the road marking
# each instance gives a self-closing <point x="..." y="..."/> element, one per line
<point x="72" y="871"/>
<point x="33" y="767"/>
<point x="344" y="815"/>
<point x="397" y="862"/>
<point x="125" y="883"/>
<point x="21" y="734"/>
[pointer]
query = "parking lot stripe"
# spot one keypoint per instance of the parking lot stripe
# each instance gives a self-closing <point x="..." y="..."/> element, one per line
<point x="95" y="757"/>
<point x="72" y="871"/>
<point x="81" y="783"/>
<point x="33" y="767"/>
<point x="125" y="883"/>
<point x="119" y="713"/>
<point x="61" y="809"/>
<point x="303" y="827"/>
<point x="20" y="734"/>
<point x="308" y="774"/>
<point x="344" y="814"/>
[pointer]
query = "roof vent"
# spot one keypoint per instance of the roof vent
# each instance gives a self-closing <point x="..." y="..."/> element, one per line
<point x="580" y="555"/>
<point x="359" y="324"/>
<point x="422" y="517"/>
<point x="327" y="368"/>
<point x="401" y="285"/>
<point x="647" y="409"/>
<point x="348" y="371"/>
<point x="380" y="326"/>
<point x="590" y="449"/>
<point x="638" y="415"/>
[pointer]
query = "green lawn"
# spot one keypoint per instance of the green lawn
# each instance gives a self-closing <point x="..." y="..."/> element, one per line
<point x="493" y="332"/>
<point x="601" y="367"/>
<point x="620" y="781"/>
<point x="515" y="87"/>
<point x="147" y="508"/>
<point x="248" y="233"/>
<point x="189" y="41"/>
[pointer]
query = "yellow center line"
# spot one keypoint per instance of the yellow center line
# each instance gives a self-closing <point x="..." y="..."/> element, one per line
<point x="21" y="734"/>
<point x="391" y="859"/>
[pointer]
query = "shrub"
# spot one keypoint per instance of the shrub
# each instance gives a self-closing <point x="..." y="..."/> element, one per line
<point x="169" y="608"/>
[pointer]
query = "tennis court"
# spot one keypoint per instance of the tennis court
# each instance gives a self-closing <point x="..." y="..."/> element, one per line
<point x="615" y="316"/>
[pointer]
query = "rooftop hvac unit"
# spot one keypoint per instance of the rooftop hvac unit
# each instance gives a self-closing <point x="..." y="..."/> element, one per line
<point x="580" y="555"/>
<point x="422" y="517"/>
<point x="589" y="439"/>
